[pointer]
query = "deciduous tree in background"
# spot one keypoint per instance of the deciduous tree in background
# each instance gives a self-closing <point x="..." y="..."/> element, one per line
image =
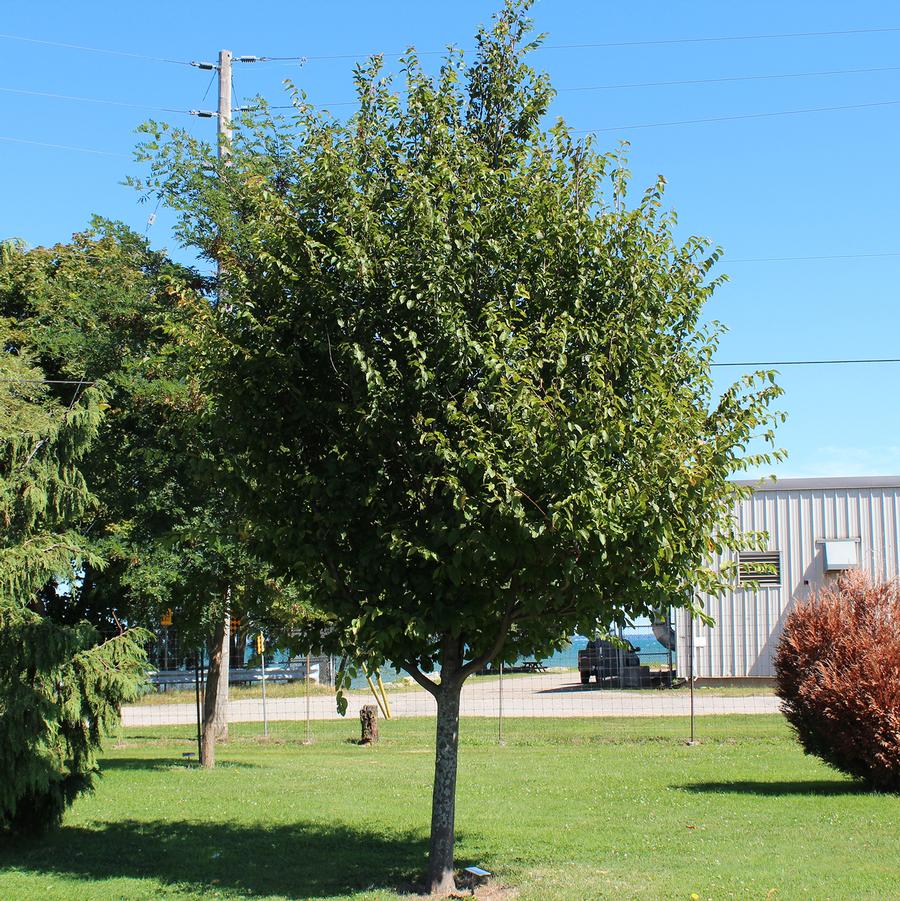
<point x="100" y="309"/>
<point x="467" y="385"/>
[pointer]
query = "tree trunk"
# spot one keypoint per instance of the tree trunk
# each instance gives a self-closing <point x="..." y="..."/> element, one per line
<point x="215" y="722"/>
<point x="443" y="804"/>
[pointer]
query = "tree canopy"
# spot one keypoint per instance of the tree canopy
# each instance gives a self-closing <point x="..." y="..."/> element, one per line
<point x="466" y="385"/>
<point x="97" y="313"/>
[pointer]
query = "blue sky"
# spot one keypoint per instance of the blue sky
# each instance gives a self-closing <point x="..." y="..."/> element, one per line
<point x="803" y="185"/>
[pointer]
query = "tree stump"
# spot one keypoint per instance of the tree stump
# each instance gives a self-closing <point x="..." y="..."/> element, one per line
<point x="368" y="720"/>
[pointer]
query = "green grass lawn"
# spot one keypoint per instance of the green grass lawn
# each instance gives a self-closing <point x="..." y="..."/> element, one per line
<point x="574" y="809"/>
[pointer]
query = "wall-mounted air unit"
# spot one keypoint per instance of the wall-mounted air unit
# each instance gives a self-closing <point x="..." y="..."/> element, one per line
<point x="841" y="555"/>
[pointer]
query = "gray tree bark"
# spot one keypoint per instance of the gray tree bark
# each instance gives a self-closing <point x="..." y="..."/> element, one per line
<point x="454" y="672"/>
<point x="443" y="803"/>
<point x="441" y="880"/>
<point x="215" y="721"/>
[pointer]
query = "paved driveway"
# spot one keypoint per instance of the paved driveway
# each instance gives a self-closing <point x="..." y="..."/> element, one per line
<point x="546" y="695"/>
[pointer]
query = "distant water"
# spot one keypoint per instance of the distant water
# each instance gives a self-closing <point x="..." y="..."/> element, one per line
<point x="650" y="650"/>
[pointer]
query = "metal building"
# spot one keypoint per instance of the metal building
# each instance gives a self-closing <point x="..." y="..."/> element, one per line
<point x="816" y="528"/>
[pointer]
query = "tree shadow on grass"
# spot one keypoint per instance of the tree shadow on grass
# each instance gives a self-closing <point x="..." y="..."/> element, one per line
<point x="776" y="789"/>
<point x="296" y="860"/>
<point x="165" y="763"/>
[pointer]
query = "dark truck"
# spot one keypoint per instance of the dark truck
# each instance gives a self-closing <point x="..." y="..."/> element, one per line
<point x="610" y="663"/>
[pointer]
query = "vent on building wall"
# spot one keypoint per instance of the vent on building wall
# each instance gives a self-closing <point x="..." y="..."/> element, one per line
<point x="841" y="555"/>
<point x="761" y="567"/>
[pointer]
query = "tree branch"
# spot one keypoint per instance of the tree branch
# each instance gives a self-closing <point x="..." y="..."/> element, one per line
<point x="524" y="618"/>
<point x="478" y="662"/>
<point x="420" y="677"/>
<point x="535" y="504"/>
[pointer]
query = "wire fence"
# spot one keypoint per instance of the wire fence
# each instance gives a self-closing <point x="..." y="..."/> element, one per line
<point x="638" y="673"/>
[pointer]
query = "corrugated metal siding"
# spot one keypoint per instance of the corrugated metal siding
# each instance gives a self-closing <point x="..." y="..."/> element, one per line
<point x="748" y="623"/>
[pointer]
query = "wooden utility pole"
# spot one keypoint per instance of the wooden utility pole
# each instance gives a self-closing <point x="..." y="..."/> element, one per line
<point x="215" y="712"/>
<point x="224" y="150"/>
<point x="224" y="116"/>
<point x="215" y="699"/>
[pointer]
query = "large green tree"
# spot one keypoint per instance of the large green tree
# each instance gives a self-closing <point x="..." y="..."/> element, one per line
<point x="468" y="384"/>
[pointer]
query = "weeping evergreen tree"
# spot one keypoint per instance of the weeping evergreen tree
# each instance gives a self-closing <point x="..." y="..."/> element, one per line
<point x="61" y="687"/>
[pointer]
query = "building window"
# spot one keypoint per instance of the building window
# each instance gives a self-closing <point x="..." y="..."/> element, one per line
<point x="761" y="567"/>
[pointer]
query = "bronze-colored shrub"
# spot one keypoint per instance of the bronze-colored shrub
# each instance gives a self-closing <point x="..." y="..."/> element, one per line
<point x="838" y="672"/>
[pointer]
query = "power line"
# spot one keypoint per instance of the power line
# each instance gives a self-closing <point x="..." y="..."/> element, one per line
<point x="53" y="254"/>
<point x="725" y="261"/>
<point x="605" y="44"/>
<point x="790" y="112"/>
<point x="602" y="87"/>
<point x="583" y="46"/>
<point x="84" y="382"/>
<point x="164" y="109"/>
<point x="721" y="39"/>
<point x="321" y="105"/>
<point x="63" y="147"/>
<point x="212" y="78"/>
<point x="727" y="78"/>
<point x="836" y="256"/>
<point x="161" y="109"/>
<point x="126" y="53"/>
<point x="657" y="84"/>
<point x="813" y="362"/>
<point x="769" y="363"/>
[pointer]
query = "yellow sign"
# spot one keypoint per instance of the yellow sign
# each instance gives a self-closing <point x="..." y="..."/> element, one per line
<point x="166" y="618"/>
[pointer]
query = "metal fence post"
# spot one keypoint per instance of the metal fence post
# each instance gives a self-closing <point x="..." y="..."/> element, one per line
<point x="669" y="649"/>
<point x="197" y="693"/>
<point x="262" y="658"/>
<point x="500" y="712"/>
<point x="692" y="741"/>
<point x="308" y="738"/>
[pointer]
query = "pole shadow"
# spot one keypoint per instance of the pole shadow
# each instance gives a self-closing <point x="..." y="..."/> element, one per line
<point x="571" y="687"/>
<point x="295" y="860"/>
